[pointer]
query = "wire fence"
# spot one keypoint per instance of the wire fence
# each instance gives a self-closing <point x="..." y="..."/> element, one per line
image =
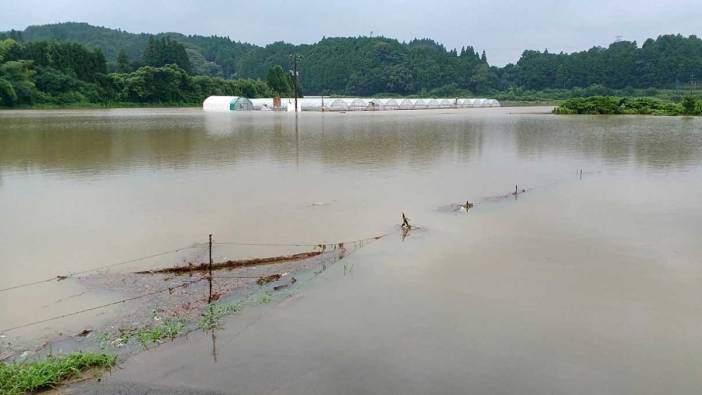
<point x="322" y="248"/>
<point x="95" y="269"/>
<point x="58" y="317"/>
<point x="335" y="251"/>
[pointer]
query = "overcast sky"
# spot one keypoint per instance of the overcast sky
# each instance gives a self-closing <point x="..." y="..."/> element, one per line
<point x="504" y="28"/>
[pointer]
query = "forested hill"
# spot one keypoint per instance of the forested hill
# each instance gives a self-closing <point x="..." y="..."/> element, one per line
<point x="362" y="65"/>
<point x="379" y="65"/>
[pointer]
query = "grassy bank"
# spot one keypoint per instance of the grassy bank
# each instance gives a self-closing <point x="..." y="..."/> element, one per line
<point x="630" y="105"/>
<point x="23" y="377"/>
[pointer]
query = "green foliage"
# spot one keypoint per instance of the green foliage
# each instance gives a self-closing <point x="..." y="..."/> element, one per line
<point x="214" y="312"/>
<point x="7" y="48"/>
<point x="690" y="105"/>
<point x="665" y="62"/>
<point x="23" y="377"/>
<point x="164" y="51"/>
<point x="8" y="96"/>
<point x="341" y="66"/>
<point x="69" y="58"/>
<point x="616" y="105"/>
<point x="19" y="87"/>
<point x="122" y="61"/>
<point x="279" y="81"/>
<point x="264" y="298"/>
<point x="62" y="74"/>
<point x="168" y="330"/>
<point x="351" y="66"/>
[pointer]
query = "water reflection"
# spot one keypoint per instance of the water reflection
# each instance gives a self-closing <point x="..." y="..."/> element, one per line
<point x="650" y="142"/>
<point x="118" y="142"/>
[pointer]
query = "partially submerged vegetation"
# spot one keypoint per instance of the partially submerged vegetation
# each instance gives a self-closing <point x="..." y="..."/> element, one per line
<point x="23" y="377"/>
<point x="624" y="105"/>
<point x="214" y="312"/>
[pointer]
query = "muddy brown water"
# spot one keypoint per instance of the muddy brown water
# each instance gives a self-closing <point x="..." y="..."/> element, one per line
<point x="588" y="285"/>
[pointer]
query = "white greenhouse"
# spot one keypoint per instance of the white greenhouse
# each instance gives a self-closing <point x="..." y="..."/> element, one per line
<point x="262" y="104"/>
<point x="407" y="104"/>
<point x="318" y="103"/>
<point x="312" y="103"/>
<point x="338" y="105"/>
<point x="358" y="105"/>
<point x="388" y="104"/>
<point x="227" y="103"/>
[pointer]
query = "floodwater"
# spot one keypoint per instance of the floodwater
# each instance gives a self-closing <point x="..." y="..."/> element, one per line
<point x="583" y="284"/>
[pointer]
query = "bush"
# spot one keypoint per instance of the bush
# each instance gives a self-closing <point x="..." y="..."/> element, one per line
<point x="689" y="105"/>
<point x="616" y="105"/>
<point x="23" y="377"/>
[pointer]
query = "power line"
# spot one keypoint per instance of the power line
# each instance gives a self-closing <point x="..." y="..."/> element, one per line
<point x="58" y="317"/>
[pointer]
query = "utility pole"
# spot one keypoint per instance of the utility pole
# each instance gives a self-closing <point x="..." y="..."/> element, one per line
<point x="295" y="58"/>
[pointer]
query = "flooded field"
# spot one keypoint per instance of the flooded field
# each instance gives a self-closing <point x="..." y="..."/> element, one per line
<point x="587" y="282"/>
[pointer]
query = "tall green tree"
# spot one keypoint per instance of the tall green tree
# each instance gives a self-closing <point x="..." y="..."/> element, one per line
<point x="122" y="61"/>
<point x="163" y="51"/>
<point x="279" y="81"/>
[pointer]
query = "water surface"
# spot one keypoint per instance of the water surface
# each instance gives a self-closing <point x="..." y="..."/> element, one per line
<point x="585" y="284"/>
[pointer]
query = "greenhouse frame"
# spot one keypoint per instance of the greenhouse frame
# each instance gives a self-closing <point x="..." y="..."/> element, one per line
<point x="227" y="103"/>
<point x="318" y="103"/>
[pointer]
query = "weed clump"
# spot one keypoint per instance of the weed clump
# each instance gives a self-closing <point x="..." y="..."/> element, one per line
<point x="23" y="377"/>
<point x="168" y="330"/>
<point x="214" y="312"/>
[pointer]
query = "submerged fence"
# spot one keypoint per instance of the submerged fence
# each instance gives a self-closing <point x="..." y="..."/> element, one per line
<point x="194" y="266"/>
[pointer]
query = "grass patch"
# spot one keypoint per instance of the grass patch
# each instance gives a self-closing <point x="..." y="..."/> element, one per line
<point x="167" y="330"/>
<point x="156" y="334"/>
<point x="23" y="377"/>
<point x="214" y="312"/>
<point x="264" y="297"/>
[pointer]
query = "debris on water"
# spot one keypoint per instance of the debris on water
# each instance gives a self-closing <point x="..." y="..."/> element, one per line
<point x="235" y="264"/>
<point x="405" y="222"/>
<point x="268" y="279"/>
<point x="279" y="287"/>
<point x="517" y="191"/>
<point x="319" y="204"/>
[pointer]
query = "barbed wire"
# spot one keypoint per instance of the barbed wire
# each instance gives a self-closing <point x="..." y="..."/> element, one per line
<point x="58" y="317"/>
<point x="263" y="244"/>
<point x="120" y="263"/>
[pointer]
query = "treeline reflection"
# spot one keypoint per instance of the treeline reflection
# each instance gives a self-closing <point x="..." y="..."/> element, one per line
<point x="124" y="141"/>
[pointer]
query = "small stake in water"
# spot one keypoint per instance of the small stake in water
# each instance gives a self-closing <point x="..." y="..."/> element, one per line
<point x="406" y="227"/>
<point x="209" y="277"/>
<point x="405" y="222"/>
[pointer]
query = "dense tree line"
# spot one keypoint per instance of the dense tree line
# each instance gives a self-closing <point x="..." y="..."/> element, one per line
<point x="54" y="73"/>
<point x="666" y="62"/>
<point x="384" y="66"/>
<point x="163" y="51"/>
<point x="626" y="105"/>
